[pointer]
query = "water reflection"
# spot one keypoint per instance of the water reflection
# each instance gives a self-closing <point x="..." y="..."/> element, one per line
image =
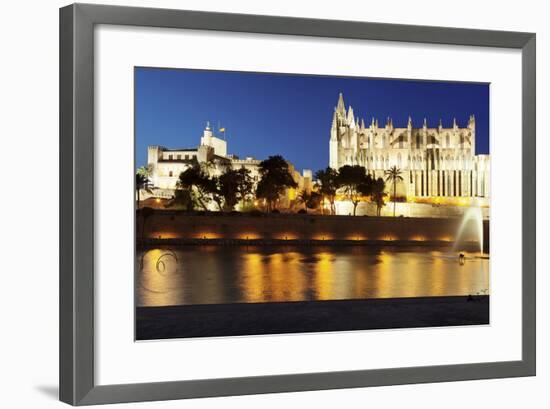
<point x="215" y="275"/>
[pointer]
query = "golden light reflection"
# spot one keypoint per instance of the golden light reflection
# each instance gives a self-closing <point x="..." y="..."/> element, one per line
<point x="324" y="275"/>
<point x="383" y="276"/>
<point x="288" y="273"/>
<point x="253" y="277"/>
<point x="158" y="283"/>
<point x="435" y="276"/>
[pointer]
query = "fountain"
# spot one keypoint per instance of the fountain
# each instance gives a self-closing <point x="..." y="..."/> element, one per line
<point x="473" y="213"/>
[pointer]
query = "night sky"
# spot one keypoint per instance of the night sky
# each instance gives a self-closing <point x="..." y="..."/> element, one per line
<point x="290" y="115"/>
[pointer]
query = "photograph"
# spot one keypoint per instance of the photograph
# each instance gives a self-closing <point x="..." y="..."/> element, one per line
<point x="271" y="203"/>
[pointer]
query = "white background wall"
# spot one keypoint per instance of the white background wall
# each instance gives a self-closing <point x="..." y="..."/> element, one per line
<point x="28" y="235"/>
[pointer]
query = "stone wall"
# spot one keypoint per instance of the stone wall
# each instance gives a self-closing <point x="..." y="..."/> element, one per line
<point x="180" y="225"/>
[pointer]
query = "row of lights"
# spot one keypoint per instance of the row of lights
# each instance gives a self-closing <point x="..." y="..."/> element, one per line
<point x="206" y="236"/>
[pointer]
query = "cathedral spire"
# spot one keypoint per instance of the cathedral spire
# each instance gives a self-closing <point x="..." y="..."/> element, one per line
<point x="341" y="107"/>
<point x="351" y="117"/>
<point x="389" y="123"/>
<point x="472" y="121"/>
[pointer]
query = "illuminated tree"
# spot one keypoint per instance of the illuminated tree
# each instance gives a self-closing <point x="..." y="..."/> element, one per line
<point x="233" y="185"/>
<point x="329" y="184"/>
<point x="142" y="183"/>
<point x="378" y="194"/>
<point x="394" y="175"/>
<point x="198" y="183"/>
<point x="303" y="197"/>
<point x="245" y="184"/>
<point x="354" y="182"/>
<point x="275" y="179"/>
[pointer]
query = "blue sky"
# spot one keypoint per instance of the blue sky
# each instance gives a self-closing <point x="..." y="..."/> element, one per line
<point x="287" y="114"/>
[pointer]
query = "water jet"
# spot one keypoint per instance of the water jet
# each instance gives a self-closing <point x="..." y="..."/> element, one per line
<point x="472" y="214"/>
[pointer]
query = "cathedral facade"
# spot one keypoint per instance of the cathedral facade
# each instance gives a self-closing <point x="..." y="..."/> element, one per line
<point x="435" y="162"/>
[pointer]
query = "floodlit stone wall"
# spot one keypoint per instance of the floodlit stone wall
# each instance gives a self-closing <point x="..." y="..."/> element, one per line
<point x="180" y="225"/>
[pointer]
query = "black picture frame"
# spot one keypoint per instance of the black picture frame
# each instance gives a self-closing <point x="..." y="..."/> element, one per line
<point x="77" y="383"/>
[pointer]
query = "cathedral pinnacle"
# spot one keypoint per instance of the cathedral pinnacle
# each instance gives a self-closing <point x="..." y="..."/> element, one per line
<point x="341" y="107"/>
<point x="351" y="117"/>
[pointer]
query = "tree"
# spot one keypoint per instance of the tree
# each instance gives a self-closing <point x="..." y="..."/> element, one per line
<point x="213" y="186"/>
<point x="142" y="183"/>
<point x="146" y="171"/>
<point x="245" y="184"/>
<point x="227" y="186"/>
<point x="275" y="179"/>
<point x="329" y="184"/>
<point x="378" y="193"/>
<point x="394" y="175"/>
<point x="366" y="188"/>
<point x="314" y="200"/>
<point x="233" y="185"/>
<point x="303" y="197"/>
<point x="184" y="198"/>
<point x="197" y="181"/>
<point x="353" y="180"/>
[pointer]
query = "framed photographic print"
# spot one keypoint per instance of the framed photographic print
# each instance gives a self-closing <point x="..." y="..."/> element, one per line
<point x="255" y="204"/>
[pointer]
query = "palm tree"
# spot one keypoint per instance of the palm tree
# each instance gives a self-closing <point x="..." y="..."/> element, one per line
<point x="303" y="197"/>
<point x="146" y="171"/>
<point x="142" y="183"/>
<point x="394" y="175"/>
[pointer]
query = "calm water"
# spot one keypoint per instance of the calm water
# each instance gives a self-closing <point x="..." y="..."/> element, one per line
<point x="214" y="275"/>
